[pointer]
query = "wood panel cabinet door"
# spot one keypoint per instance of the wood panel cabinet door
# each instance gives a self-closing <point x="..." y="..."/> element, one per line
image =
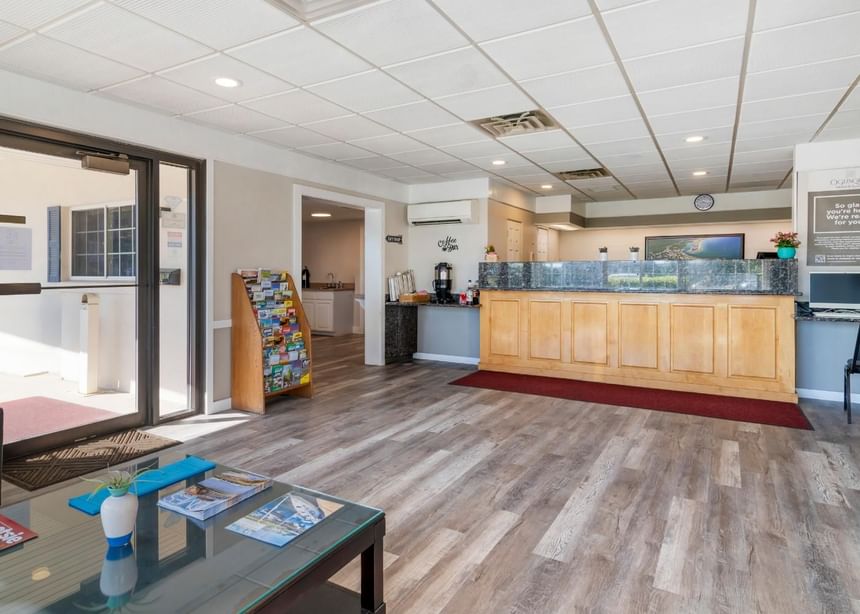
<point x="545" y="330"/>
<point x="504" y="329"/>
<point x="324" y="315"/>
<point x="638" y="335"/>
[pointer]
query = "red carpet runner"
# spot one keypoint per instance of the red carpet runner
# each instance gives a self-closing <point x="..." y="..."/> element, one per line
<point x="710" y="405"/>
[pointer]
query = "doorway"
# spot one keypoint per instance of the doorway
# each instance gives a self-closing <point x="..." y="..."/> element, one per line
<point x="84" y="306"/>
<point x="514" y="241"/>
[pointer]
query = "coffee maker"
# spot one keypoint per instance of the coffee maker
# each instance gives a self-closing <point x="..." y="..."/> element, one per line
<point x="442" y="283"/>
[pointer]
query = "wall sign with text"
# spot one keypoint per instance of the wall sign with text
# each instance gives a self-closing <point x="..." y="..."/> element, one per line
<point x="394" y="239"/>
<point x="833" y="229"/>
<point x="448" y="244"/>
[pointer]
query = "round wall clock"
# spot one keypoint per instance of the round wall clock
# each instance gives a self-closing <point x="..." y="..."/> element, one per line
<point x="703" y="202"/>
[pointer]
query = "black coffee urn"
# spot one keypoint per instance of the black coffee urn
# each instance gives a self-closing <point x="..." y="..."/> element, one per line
<point x="442" y="283"/>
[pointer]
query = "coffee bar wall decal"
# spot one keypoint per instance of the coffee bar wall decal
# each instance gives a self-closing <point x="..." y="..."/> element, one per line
<point x="448" y="244"/>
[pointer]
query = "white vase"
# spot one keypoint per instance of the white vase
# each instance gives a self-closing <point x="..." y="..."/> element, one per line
<point x="634" y="256"/>
<point x="119" y="514"/>
<point x="119" y="575"/>
<point x="604" y="256"/>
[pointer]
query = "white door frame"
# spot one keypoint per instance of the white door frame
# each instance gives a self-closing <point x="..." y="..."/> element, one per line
<point x="374" y="262"/>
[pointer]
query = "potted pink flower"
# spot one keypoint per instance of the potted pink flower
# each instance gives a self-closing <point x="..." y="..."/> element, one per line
<point x="786" y="244"/>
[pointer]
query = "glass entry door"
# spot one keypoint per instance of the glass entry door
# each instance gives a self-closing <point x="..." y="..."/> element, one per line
<point x="76" y="314"/>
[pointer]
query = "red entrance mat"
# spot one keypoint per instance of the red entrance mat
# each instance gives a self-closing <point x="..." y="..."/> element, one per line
<point x="774" y="413"/>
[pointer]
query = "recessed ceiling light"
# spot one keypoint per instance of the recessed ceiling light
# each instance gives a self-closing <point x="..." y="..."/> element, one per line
<point x="699" y="173"/>
<point x="546" y="186"/>
<point x="695" y="139"/>
<point x="499" y="162"/>
<point x="227" y="82"/>
<point x="320" y="214"/>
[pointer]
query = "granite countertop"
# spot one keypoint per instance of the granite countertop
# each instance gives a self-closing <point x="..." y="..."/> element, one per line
<point x="826" y="319"/>
<point x="455" y="305"/>
<point x="329" y="289"/>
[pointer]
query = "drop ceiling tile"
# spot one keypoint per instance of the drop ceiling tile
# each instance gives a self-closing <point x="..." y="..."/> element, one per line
<point x="201" y="75"/>
<point x="393" y="31"/>
<point x="712" y="135"/>
<point x="844" y="118"/>
<point x="692" y="188"/>
<point x="405" y="172"/>
<point x="571" y="152"/>
<point x="801" y="79"/>
<point x="336" y="151"/>
<point x="631" y="159"/>
<point x="348" y="128"/>
<point x="486" y="19"/>
<point x="374" y="163"/>
<point x="816" y="41"/>
<point x="755" y="130"/>
<point x="9" y="31"/>
<point x="448" y="167"/>
<point x="704" y="150"/>
<point x="55" y="61"/>
<point x="555" y="49"/>
<point x="852" y="102"/>
<point x="163" y="95"/>
<point x="413" y="116"/>
<point x="453" y="72"/>
<point x="296" y="107"/>
<point x="512" y="161"/>
<point x="778" y="154"/>
<point x="839" y="134"/>
<point x="691" y="65"/>
<point x="578" y="164"/>
<point x="718" y="93"/>
<point x="389" y="144"/>
<point x="501" y="100"/>
<point x="775" y="13"/>
<point x="525" y="170"/>
<point x="422" y="157"/>
<point x="466" y="174"/>
<point x="550" y="139"/>
<point x="30" y="14"/>
<point x="122" y="36"/>
<point x="578" y="86"/>
<point x="642" y="144"/>
<point x="642" y="172"/>
<point x="791" y="106"/>
<point x="236" y="119"/>
<point x="453" y="134"/>
<point x="530" y="176"/>
<point x="615" y="131"/>
<point x="366" y="92"/>
<point x="207" y="20"/>
<point x="477" y="149"/>
<point x="657" y="192"/>
<point x="779" y="140"/>
<point x="300" y="56"/>
<point x="693" y="122"/>
<point x="672" y="24"/>
<point x="715" y="164"/>
<point x="598" y="112"/>
<point x="765" y="166"/>
<point x="293" y="136"/>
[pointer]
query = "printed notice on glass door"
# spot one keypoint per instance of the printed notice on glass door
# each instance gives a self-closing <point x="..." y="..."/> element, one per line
<point x="16" y="249"/>
<point x="834" y="228"/>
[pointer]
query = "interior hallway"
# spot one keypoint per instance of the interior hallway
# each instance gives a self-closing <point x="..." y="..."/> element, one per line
<point x="501" y="502"/>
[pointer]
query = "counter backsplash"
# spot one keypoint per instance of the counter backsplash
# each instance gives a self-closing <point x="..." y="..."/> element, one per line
<point x="670" y="276"/>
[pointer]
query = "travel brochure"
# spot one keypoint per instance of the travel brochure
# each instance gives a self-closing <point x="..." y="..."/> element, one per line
<point x="216" y="494"/>
<point x="285" y="357"/>
<point x="12" y="533"/>
<point x="282" y="520"/>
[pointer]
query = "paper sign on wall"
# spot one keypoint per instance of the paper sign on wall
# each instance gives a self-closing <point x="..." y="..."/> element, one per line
<point x="172" y="220"/>
<point x="16" y="249"/>
<point x="174" y="239"/>
<point x="833" y="230"/>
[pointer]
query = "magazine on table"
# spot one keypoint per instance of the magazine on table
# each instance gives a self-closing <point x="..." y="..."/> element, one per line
<point x="282" y="520"/>
<point x="216" y="494"/>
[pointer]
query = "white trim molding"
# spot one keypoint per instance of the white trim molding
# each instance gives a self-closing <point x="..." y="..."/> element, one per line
<point x="221" y="405"/>
<point x="462" y="360"/>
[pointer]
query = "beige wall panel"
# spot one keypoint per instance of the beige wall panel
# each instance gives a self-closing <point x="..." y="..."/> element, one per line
<point x="692" y="338"/>
<point x="590" y="330"/>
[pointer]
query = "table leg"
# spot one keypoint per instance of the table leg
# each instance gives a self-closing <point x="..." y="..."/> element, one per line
<point x="371" y="574"/>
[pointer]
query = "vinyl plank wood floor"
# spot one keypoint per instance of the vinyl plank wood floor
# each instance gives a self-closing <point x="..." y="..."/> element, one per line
<point x="500" y="502"/>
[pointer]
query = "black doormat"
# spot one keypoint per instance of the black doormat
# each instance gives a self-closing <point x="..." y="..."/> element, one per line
<point x="46" y="468"/>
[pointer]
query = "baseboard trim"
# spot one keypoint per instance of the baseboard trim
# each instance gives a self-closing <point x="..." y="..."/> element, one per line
<point x="221" y="405"/>
<point x="463" y="360"/>
<point x="825" y="395"/>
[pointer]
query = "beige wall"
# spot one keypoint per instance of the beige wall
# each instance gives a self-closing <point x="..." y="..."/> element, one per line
<point x="498" y="214"/>
<point x="583" y="244"/>
<point x="333" y="247"/>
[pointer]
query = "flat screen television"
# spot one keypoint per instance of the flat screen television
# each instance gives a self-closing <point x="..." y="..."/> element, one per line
<point x="694" y="247"/>
<point x="834" y="290"/>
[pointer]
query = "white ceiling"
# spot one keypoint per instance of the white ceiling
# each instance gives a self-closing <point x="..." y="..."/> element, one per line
<point x="389" y="87"/>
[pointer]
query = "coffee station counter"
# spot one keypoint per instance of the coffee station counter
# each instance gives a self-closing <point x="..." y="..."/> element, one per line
<point x="721" y="327"/>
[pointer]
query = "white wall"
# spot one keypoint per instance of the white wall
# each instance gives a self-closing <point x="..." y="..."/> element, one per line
<point x="734" y="201"/>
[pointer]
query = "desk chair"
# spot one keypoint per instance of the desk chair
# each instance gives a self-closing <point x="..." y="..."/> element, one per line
<point x="851" y="367"/>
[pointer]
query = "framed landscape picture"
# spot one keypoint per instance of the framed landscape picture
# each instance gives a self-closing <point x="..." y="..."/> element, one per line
<point x="694" y="247"/>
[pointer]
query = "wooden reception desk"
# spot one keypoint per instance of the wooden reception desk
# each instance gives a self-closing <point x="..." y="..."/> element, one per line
<point x="700" y="341"/>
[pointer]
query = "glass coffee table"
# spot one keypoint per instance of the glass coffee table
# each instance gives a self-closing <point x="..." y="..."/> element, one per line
<point x="177" y="564"/>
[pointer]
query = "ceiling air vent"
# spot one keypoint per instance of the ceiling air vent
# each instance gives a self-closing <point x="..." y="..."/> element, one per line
<point x="586" y="173"/>
<point x="317" y="9"/>
<point x="526" y="122"/>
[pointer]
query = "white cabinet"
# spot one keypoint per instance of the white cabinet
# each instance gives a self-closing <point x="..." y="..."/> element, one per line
<point x="329" y="311"/>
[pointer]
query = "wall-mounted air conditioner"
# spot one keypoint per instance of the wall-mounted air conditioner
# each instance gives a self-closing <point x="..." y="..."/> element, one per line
<point x="451" y="212"/>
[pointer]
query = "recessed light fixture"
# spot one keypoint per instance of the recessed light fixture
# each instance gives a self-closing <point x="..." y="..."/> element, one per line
<point x="699" y="173"/>
<point x="546" y="186"/>
<point x="227" y="82"/>
<point x="320" y="214"/>
<point x="696" y="138"/>
<point x="499" y="162"/>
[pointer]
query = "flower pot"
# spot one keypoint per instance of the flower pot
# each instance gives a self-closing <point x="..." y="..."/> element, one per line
<point x="491" y="257"/>
<point x="119" y="514"/>
<point x="634" y="256"/>
<point x="786" y="252"/>
<point x="603" y="256"/>
<point x="119" y="576"/>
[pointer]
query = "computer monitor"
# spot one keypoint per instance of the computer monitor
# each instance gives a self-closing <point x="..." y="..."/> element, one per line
<point x="834" y="291"/>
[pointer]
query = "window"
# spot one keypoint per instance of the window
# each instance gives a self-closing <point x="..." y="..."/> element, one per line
<point x="104" y="242"/>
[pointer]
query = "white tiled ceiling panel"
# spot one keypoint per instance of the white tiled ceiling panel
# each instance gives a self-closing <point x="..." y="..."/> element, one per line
<point x="389" y="87"/>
